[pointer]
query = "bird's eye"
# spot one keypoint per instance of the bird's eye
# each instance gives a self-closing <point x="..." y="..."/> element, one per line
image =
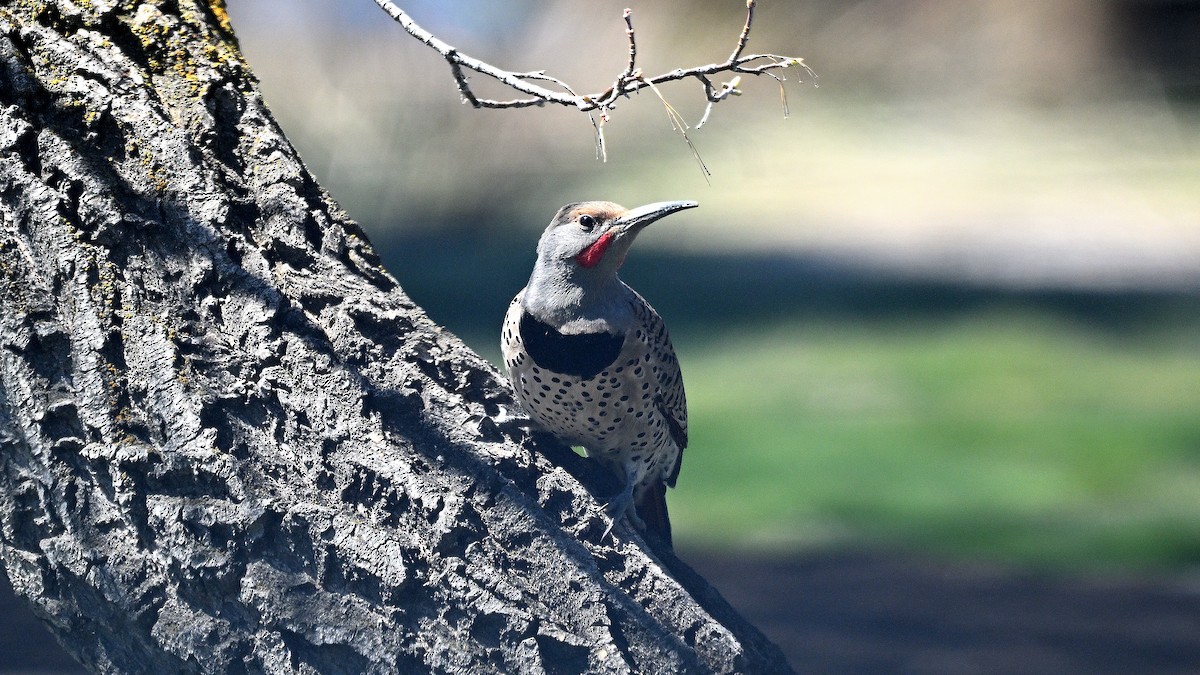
<point x="588" y="223"/>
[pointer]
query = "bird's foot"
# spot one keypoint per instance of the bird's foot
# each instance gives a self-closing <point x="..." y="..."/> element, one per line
<point x="513" y="417"/>
<point x="620" y="507"/>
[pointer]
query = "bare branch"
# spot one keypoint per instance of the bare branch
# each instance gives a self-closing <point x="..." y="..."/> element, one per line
<point x="628" y="82"/>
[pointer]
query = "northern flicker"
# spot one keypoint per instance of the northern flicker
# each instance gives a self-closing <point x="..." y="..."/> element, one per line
<point x="591" y="361"/>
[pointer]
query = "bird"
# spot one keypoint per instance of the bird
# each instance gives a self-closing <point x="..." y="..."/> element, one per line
<point x="591" y="361"/>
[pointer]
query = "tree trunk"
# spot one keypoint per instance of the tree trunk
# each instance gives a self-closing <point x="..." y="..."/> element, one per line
<point x="230" y="443"/>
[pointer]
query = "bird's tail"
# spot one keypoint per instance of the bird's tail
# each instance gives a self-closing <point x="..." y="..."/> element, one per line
<point x="652" y="508"/>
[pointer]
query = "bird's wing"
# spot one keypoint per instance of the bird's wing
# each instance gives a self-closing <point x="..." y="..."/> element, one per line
<point x="510" y="332"/>
<point x="671" y="400"/>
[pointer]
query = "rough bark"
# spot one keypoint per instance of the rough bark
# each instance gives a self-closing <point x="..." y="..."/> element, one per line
<point x="230" y="443"/>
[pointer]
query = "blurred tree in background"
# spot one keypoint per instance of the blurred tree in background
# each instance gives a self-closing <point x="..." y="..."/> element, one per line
<point x="990" y="201"/>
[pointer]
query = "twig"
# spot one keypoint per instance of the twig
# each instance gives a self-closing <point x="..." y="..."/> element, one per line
<point x="458" y="60"/>
<point x="601" y="147"/>
<point x="715" y="96"/>
<point x="745" y="36"/>
<point x="628" y="16"/>
<point x="681" y="126"/>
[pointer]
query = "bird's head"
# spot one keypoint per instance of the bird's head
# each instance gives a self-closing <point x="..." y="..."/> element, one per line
<point x="592" y="238"/>
<point x="574" y="285"/>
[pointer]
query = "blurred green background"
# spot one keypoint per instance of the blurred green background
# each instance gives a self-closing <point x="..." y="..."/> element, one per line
<point x="951" y="304"/>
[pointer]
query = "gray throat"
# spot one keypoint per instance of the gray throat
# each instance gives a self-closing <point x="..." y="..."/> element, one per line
<point x="574" y="305"/>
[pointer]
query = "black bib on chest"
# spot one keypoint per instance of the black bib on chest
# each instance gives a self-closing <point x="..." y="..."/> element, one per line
<point x="583" y="355"/>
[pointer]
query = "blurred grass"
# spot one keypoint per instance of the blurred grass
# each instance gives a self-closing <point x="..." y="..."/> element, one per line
<point x="835" y="406"/>
<point x="1012" y="436"/>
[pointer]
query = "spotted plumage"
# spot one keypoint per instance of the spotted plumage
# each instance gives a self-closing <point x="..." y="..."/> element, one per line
<point x="591" y="361"/>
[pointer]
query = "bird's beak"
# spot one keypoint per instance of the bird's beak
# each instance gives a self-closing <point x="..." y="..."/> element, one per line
<point x="636" y="219"/>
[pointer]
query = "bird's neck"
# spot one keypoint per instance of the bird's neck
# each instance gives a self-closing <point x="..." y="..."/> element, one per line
<point x="578" y="303"/>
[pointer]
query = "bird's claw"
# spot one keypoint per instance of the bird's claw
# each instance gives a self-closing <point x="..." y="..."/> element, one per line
<point x="621" y="507"/>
